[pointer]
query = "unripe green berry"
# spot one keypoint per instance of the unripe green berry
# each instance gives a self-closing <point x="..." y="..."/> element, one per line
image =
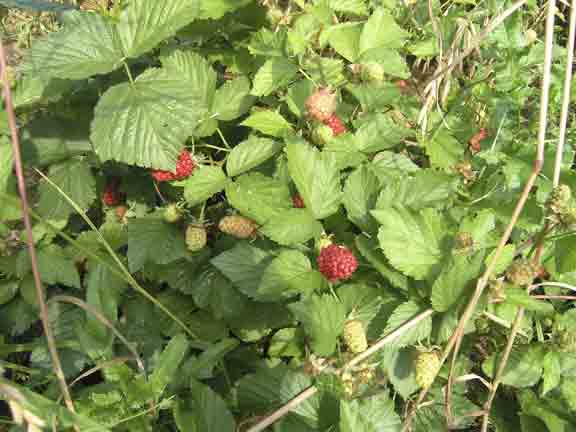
<point x="172" y="213"/>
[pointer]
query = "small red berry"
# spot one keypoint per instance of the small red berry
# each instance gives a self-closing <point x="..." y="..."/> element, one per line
<point x="184" y="168"/>
<point x="297" y="201"/>
<point x="337" y="262"/>
<point x="334" y="122"/>
<point x="321" y="104"/>
<point x="111" y="196"/>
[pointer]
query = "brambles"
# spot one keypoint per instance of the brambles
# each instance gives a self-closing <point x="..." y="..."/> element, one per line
<point x="215" y="273"/>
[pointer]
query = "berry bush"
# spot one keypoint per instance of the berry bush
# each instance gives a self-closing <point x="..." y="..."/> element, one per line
<point x="288" y="215"/>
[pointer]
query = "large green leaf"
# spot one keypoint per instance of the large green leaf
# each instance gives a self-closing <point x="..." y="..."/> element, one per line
<point x="75" y="179"/>
<point x="87" y="45"/>
<point x="268" y="122"/>
<point x="289" y="274"/>
<point x="205" y="410"/>
<point x="275" y="73"/>
<point x="380" y="132"/>
<point x="381" y="30"/>
<point x="410" y="240"/>
<point x="523" y="369"/>
<point x="373" y="414"/>
<point x="215" y="9"/>
<point x="205" y="182"/>
<point x="360" y="193"/>
<point x="401" y="315"/>
<point x="259" y="197"/>
<point x="292" y="226"/>
<point x="153" y="240"/>
<point x="233" y="99"/>
<point x="147" y="122"/>
<point x="168" y="364"/>
<point x="357" y="7"/>
<point x="57" y="268"/>
<point x="244" y="265"/>
<point x="194" y="69"/>
<point x="251" y="153"/>
<point x="317" y="178"/>
<point x="323" y="318"/>
<point x="144" y="24"/>
<point x="451" y="284"/>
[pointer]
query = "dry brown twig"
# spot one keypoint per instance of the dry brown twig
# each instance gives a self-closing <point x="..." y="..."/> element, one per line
<point x="48" y="333"/>
<point x="311" y="391"/>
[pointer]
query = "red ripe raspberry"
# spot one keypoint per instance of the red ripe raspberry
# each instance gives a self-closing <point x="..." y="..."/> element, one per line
<point x="297" y="201"/>
<point x="334" y="122"/>
<point x="184" y="168"/>
<point x="321" y="104"/>
<point x="336" y="262"/>
<point x="111" y="196"/>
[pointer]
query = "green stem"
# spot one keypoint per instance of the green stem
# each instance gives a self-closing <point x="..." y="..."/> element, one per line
<point x="223" y="139"/>
<point x="127" y="69"/>
<point x="213" y="147"/>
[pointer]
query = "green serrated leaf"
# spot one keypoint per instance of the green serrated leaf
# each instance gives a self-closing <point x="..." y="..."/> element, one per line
<point x="8" y="290"/>
<point x="205" y="182"/>
<point x="388" y="165"/>
<point x="153" y="240"/>
<point x="244" y="265"/>
<point x="251" y="153"/>
<point x="36" y="5"/>
<point x="444" y="150"/>
<point x="372" y="414"/>
<point x="356" y="7"/>
<point x="523" y="369"/>
<point x="323" y="318"/>
<point x="205" y="410"/>
<point x="275" y="73"/>
<point x="259" y="197"/>
<point x="402" y="314"/>
<point x="87" y="45"/>
<point x="369" y="250"/>
<point x="268" y="122"/>
<point x="146" y="123"/>
<point x="360" y="194"/>
<point x="292" y="226"/>
<point x="411" y="241"/>
<point x="317" y="178"/>
<point x="552" y="372"/>
<point x="381" y="31"/>
<point x="380" y="132"/>
<point x="6" y="161"/>
<point x="345" y="39"/>
<point x="451" y="284"/>
<point x="168" y="364"/>
<point x="233" y="99"/>
<point x="289" y="274"/>
<point x="75" y="180"/>
<point x="143" y="25"/>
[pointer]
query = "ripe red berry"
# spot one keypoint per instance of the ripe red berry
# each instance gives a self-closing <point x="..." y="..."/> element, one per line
<point x="111" y="196"/>
<point x="297" y="201"/>
<point x="334" y="122"/>
<point x="337" y="262"/>
<point x="184" y="168"/>
<point x="321" y="104"/>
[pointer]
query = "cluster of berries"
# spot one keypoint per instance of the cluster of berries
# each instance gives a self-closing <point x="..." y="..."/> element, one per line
<point x="184" y="168"/>
<point x="321" y="106"/>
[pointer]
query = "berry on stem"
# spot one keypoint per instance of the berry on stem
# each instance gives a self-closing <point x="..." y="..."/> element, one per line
<point x="238" y="226"/>
<point x="355" y="336"/>
<point x="111" y="196"/>
<point x="336" y="262"/>
<point x="427" y="367"/>
<point x="297" y="201"/>
<point x="334" y="123"/>
<point x="172" y="213"/>
<point x="196" y="237"/>
<point x="321" y="104"/>
<point x="184" y="168"/>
